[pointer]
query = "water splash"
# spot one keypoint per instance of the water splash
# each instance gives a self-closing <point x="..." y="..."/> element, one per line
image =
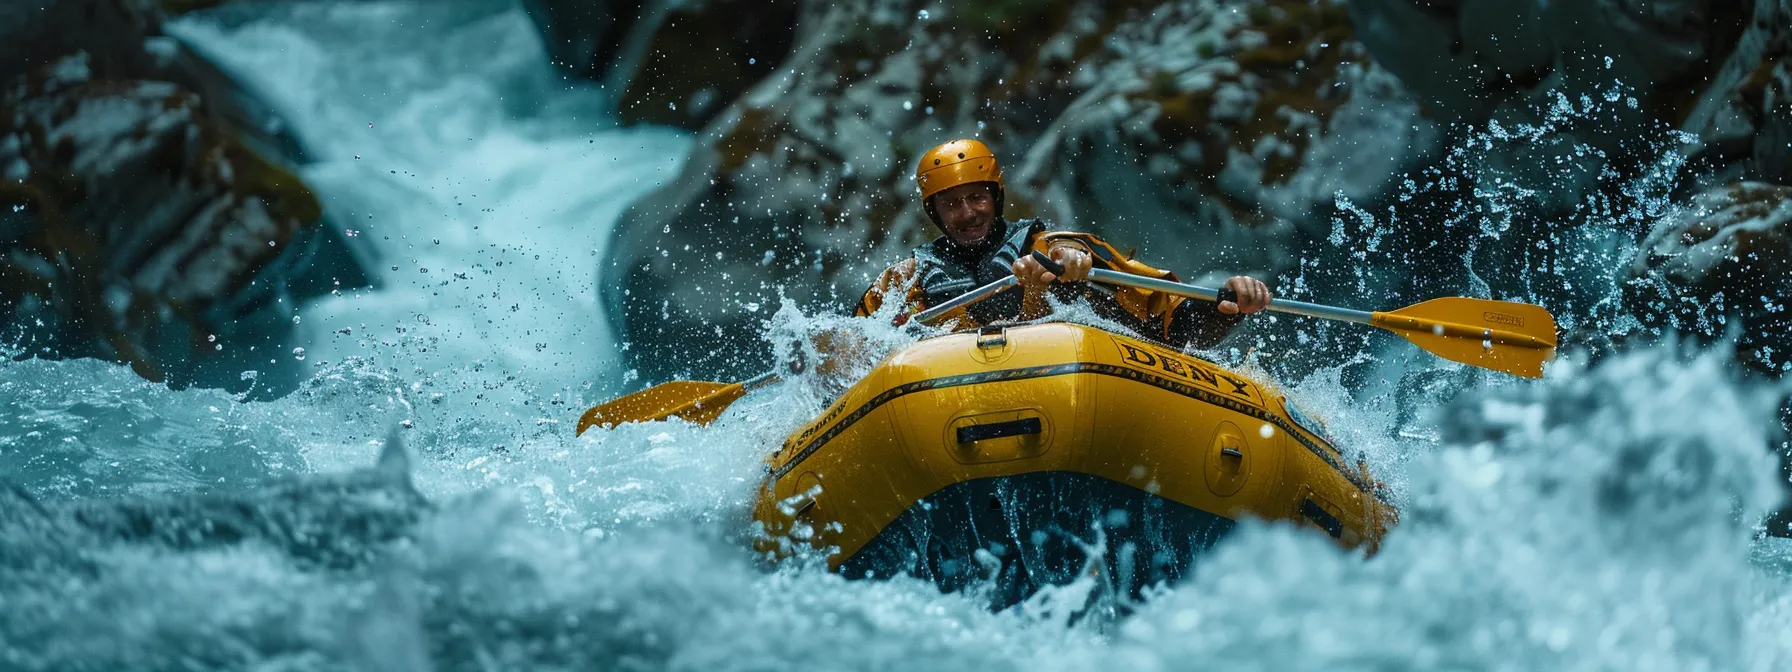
<point x="1547" y="525"/>
<point x="1555" y="529"/>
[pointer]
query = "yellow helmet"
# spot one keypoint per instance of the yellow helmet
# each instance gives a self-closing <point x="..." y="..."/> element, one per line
<point x="955" y="163"/>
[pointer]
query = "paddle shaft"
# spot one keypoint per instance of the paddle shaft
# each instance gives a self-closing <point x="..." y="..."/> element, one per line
<point x="759" y="381"/>
<point x="1383" y="320"/>
<point x="1142" y="282"/>
<point x="1206" y="294"/>
<point x="931" y="315"/>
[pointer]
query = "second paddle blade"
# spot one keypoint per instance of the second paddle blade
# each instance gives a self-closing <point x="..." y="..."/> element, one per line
<point x="694" y="400"/>
<point x="1516" y="338"/>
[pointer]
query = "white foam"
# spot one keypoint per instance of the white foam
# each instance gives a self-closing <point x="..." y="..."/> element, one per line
<point x="485" y="185"/>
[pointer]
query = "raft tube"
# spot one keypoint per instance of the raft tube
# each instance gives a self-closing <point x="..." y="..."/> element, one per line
<point x="1015" y="455"/>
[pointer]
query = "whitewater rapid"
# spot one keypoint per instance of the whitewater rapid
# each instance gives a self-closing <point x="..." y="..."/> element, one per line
<point x="1585" y="522"/>
<point x="481" y="182"/>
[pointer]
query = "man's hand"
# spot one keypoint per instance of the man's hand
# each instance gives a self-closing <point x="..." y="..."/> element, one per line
<point x="1076" y="267"/>
<point x="1253" y="295"/>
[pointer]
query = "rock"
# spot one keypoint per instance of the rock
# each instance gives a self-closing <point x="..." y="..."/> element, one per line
<point x="668" y="62"/>
<point x="1768" y="94"/>
<point x="1193" y="129"/>
<point x="148" y="210"/>
<point x="1674" y="64"/>
<point x="1742" y="120"/>
<point x="583" y="37"/>
<point x="111" y="32"/>
<point x="1471" y="57"/>
<point x="1218" y="131"/>
<point x="1722" y="265"/>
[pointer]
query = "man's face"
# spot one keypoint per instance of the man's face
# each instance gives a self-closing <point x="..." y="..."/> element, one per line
<point x="967" y="212"/>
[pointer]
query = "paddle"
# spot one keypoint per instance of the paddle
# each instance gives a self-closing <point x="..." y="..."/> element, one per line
<point x="702" y="402"/>
<point x="1506" y="336"/>
<point x="1515" y="338"/>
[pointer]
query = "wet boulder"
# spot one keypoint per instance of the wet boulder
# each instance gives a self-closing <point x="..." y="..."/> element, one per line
<point x="149" y="209"/>
<point x="1215" y="132"/>
<point x="1473" y="58"/>
<point x="1643" y="68"/>
<point x="1742" y="122"/>
<point x="672" y="63"/>
<point x="34" y="34"/>
<point x="1722" y="266"/>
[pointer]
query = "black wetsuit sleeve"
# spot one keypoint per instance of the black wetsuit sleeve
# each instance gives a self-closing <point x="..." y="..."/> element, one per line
<point x="1200" y="324"/>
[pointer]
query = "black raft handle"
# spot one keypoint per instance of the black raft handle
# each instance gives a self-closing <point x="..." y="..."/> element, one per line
<point x="996" y="430"/>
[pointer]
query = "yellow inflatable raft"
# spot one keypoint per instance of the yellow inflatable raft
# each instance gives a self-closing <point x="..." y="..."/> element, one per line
<point x="1014" y="453"/>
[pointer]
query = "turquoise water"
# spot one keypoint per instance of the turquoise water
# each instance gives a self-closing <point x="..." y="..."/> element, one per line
<point x="1599" y="519"/>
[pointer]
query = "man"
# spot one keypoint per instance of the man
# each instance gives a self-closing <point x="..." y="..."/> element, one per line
<point x="962" y="191"/>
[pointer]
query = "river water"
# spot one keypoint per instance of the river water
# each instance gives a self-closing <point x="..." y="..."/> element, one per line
<point x="1600" y="519"/>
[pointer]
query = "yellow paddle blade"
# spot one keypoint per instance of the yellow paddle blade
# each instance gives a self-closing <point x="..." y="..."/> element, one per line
<point x="1516" y="338"/>
<point x="694" y="400"/>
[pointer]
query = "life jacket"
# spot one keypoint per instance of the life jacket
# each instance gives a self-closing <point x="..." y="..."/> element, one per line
<point x="942" y="270"/>
<point x="945" y="270"/>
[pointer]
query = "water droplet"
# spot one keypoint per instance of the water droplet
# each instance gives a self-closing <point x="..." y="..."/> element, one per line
<point x="357" y="157"/>
<point x="423" y="270"/>
<point x="922" y="15"/>
<point x="218" y="347"/>
<point x="437" y="241"/>
<point x="295" y="319"/>
<point x="298" y="354"/>
<point x="213" y="338"/>
<point x="908" y="105"/>
<point x="395" y="267"/>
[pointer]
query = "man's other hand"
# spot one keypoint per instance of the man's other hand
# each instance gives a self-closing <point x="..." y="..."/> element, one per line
<point x="1253" y="295"/>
